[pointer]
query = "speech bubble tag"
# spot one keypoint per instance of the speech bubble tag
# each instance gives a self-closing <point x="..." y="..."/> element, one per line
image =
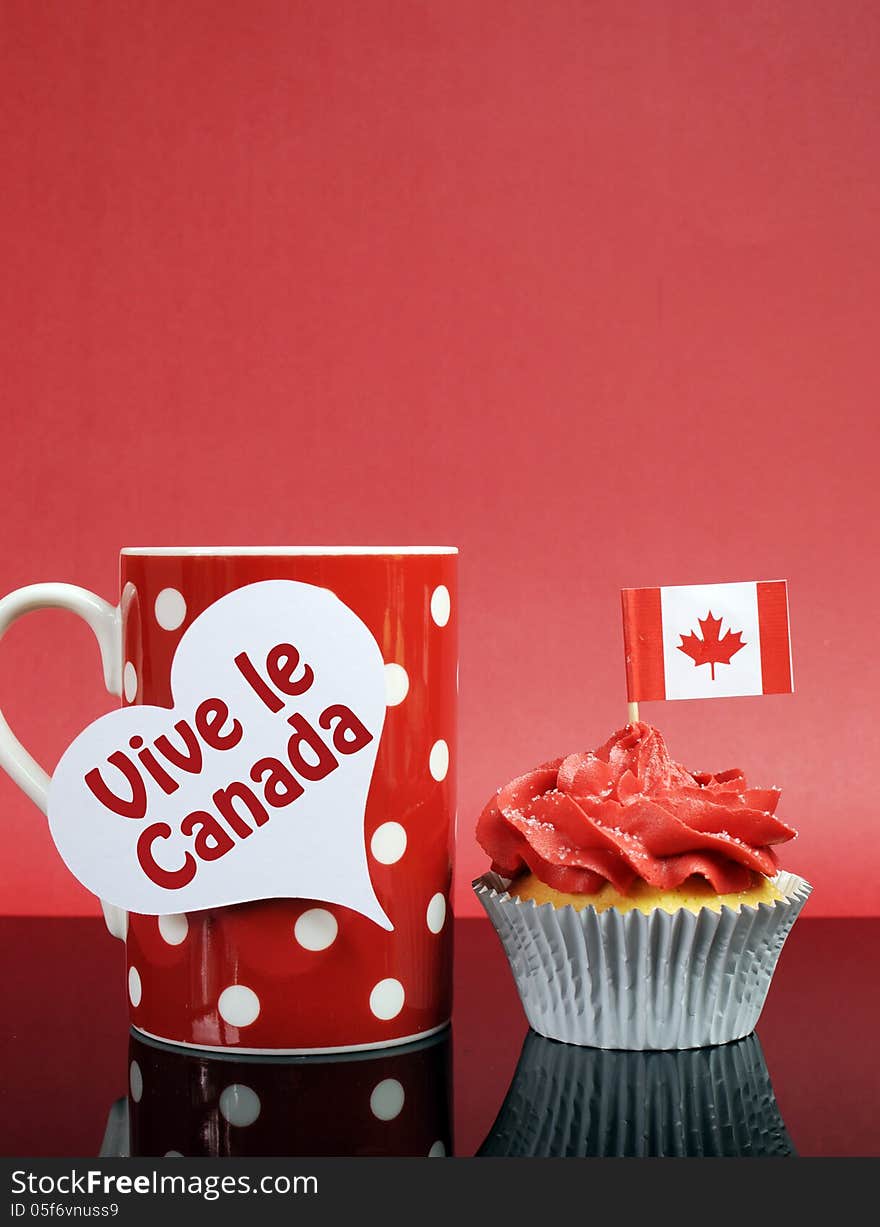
<point x="254" y="784"/>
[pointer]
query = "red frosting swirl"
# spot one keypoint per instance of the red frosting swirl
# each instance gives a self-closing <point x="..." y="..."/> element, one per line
<point x="627" y="811"/>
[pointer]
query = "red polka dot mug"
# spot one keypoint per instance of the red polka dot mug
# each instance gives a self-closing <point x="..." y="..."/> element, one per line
<point x="295" y="975"/>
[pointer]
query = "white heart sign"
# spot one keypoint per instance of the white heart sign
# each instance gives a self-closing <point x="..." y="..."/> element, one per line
<point x="254" y="785"/>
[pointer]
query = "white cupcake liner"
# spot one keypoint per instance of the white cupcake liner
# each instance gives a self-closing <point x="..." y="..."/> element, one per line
<point x="568" y="1102"/>
<point x="634" y="981"/>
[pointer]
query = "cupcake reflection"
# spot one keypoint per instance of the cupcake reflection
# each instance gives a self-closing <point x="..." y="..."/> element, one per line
<point x="393" y="1102"/>
<point x="567" y="1101"/>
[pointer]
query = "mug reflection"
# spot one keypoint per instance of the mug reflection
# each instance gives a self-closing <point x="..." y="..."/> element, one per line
<point x="392" y="1102"/>
<point x="566" y="1101"/>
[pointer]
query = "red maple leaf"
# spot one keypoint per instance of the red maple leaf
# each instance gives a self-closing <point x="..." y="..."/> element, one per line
<point x="711" y="650"/>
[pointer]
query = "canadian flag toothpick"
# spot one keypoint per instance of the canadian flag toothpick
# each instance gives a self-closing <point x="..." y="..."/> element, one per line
<point x="706" y="641"/>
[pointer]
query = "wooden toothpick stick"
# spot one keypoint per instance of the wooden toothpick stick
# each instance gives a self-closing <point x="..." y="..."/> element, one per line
<point x="632" y="711"/>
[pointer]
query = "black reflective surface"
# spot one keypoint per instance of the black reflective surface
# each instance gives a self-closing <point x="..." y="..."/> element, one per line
<point x="75" y="1082"/>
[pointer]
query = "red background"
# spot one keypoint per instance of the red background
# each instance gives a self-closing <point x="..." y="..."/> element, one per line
<point x="588" y="289"/>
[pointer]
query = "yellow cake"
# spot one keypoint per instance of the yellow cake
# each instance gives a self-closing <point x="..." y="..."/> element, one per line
<point x="693" y="894"/>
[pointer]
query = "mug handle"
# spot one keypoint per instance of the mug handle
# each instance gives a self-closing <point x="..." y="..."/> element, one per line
<point x="106" y="623"/>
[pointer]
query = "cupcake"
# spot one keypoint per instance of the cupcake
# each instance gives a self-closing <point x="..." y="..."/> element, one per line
<point x="640" y="905"/>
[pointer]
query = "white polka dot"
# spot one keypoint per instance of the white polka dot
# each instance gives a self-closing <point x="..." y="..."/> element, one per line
<point x="387" y="998"/>
<point x="316" y="929"/>
<point x="440" y="605"/>
<point x="135" y="1081"/>
<point x="387" y="1098"/>
<point x="439" y="760"/>
<point x="238" y="1005"/>
<point x="116" y="920"/>
<point x="129" y="682"/>
<point x="135" y="989"/>
<point x="174" y="928"/>
<point x="436" y="914"/>
<point x="239" y="1105"/>
<point x="396" y="684"/>
<point x="388" y="843"/>
<point x="437" y="1151"/>
<point x="170" y="609"/>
